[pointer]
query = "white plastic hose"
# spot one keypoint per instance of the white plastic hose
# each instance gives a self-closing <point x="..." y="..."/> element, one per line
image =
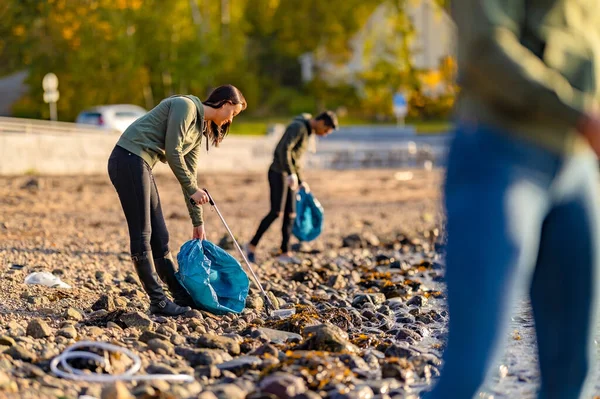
<point x="129" y="375"/>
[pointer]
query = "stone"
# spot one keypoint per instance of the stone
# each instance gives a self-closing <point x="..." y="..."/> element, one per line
<point x="17" y="352"/>
<point x="150" y="335"/>
<point x="228" y="391"/>
<point x="160" y="368"/>
<point x="136" y="320"/>
<point x="400" y="350"/>
<point x="5" y="340"/>
<point x="105" y="302"/>
<point x="405" y="334"/>
<point x="178" y="340"/>
<point x="283" y="385"/>
<point x="157" y="345"/>
<point x="241" y="364"/>
<point x="337" y="282"/>
<point x="201" y="357"/>
<point x="74" y="314"/>
<point x="68" y="332"/>
<point x="353" y="241"/>
<point x="216" y="342"/>
<point x="210" y="372"/>
<point x="417" y="300"/>
<point x="371" y="298"/>
<point x="38" y="328"/>
<point x="255" y="301"/>
<point x="327" y="337"/>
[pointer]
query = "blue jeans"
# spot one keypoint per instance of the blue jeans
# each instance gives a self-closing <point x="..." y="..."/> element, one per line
<point x="519" y="218"/>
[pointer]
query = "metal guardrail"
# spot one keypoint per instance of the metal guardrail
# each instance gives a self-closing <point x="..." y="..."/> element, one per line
<point x="36" y="126"/>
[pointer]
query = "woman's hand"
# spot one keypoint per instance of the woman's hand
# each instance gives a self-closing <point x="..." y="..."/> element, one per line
<point x="200" y="197"/>
<point x="199" y="232"/>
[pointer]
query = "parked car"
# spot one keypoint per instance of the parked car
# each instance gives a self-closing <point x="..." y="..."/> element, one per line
<point x="118" y="116"/>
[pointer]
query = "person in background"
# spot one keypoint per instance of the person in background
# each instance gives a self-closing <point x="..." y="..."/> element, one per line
<point x="172" y="133"/>
<point x="285" y="177"/>
<point x="521" y="190"/>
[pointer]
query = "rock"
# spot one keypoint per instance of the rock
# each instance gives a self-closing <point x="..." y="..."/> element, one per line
<point x="401" y="372"/>
<point x="273" y="299"/>
<point x="267" y="349"/>
<point x="309" y="395"/>
<point x="7" y="384"/>
<point x="160" y="369"/>
<point x="405" y="334"/>
<point x="113" y="325"/>
<point x="400" y="350"/>
<point x="136" y="320"/>
<point x="372" y="298"/>
<point x="405" y="318"/>
<point x="359" y="392"/>
<point x="74" y="314"/>
<point x="327" y="337"/>
<point x="178" y="340"/>
<point x="227" y="391"/>
<point x="209" y="372"/>
<point x="201" y="357"/>
<point x="283" y="385"/>
<point x="121" y="302"/>
<point x="241" y="364"/>
<point x="371" y="239"/>
<point x="38" y="328"/>
<point x="207" y="395"/>
<point x="105" y="302"/>
<point x="215" y="342"/>
<point x="68" y="332"/>
<point x="5" y="340"/>
<point x="417" y="300"/>
<point x="157" y="345"/>
<point x="144" y="390"/>
<point x="337" y="282"/>
<point x="93" y="332"/>
<point x="383" y="387"/>
<point x="17" y="352"/>
<point x="280" y="337"/>
<point x="355" y="362"/>
<point x="353" y="241"/>
<point x="193" y="314"/>
<point x="255" y="302"/>
<point x="166" y="331"/>
<point x="150" y="335"/>
<point x="28" y="370"/>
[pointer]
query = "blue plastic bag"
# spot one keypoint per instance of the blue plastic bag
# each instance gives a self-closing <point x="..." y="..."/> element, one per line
<point x="309" y="217"/>
<point x="214" y="279"/>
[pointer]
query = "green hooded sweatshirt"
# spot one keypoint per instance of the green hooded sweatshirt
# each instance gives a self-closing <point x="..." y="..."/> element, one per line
<point x="171" y="133"/>
<point x="292" y="146"/>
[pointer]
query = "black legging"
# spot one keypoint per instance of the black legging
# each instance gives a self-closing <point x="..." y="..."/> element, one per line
<point x="134" y="182"/>
<point x="276" y="183"/>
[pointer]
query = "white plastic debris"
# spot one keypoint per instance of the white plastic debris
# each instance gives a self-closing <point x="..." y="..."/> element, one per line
<point x="403" y="176"/>
<point x="47" y="279"/>
<point x="80" y="350"/>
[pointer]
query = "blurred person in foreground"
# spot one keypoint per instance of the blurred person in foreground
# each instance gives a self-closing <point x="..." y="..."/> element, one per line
<point x="172" y="132"/>
<point x="521" y="190"/>
<point x="285" y="178"/>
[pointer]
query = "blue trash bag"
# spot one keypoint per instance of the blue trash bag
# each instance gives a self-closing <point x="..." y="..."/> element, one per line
<point x="214" y="279"/>
<point x="309" y="217"/>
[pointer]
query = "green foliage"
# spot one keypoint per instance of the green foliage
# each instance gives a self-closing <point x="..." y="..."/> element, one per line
<point x="140" y="51"/>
